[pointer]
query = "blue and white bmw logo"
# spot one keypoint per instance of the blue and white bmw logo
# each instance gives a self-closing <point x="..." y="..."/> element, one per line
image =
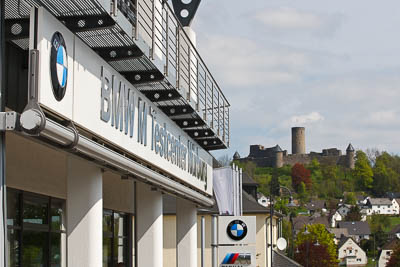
<point x="237" y="230"/>
<point x="58" y="66"/>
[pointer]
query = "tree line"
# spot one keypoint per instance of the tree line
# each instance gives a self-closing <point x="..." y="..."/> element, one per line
<point x="375" y="174"/>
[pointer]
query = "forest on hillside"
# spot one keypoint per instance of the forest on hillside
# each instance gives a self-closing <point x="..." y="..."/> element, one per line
<point x="375" y="173"/>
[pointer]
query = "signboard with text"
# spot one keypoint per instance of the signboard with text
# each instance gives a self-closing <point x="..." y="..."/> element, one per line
<point x="78" y="85"/>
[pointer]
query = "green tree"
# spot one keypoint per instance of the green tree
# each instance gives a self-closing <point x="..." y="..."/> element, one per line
<point x="318" y="232"/>
<point x="275" y="186"/>
<point x="385" y="178"/>
<point x="354" y="214"/>
<point x="351" y="198"/>
<point x="363" y="172"/>
<point x="302" y="193"/>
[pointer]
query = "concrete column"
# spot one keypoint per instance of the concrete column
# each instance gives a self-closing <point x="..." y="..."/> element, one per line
<point x="186" y="233"/>
<point x="84" y="214"/>
<point x="149" y="225"/>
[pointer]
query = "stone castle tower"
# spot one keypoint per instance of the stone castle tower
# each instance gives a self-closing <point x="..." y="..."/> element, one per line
<point x="276" y="157"/>
<point x="298" y="140"/>
<point x="350" y="157"/>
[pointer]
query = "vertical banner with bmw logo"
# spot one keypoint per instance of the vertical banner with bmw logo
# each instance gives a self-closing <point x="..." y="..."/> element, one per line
<point x="236" y="241"/>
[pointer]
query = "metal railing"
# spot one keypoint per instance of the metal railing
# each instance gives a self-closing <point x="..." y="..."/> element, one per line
<point x="155" y="22"/>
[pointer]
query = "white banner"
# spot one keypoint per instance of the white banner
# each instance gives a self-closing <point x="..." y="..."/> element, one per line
<point x="223" y="190"/>
<point x="77" y="84"/>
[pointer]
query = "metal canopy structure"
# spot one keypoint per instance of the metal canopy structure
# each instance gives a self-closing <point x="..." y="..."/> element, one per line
<point x="145" y="42"/>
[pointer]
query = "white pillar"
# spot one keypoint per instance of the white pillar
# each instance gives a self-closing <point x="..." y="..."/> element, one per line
<point x="84" y="214"/>
<point x="186" y="233"/>
<point x="149" y="225"/>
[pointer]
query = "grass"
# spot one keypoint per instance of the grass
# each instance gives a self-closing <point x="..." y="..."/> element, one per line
<point x="371" y="263"/>
<point x="393" y="222"/>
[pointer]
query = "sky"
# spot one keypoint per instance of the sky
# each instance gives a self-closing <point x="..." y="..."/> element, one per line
<point x="330" y="66"/>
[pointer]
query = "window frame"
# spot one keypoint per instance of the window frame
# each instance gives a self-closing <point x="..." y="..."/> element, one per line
<point x="26" y="226"/>
<point x="114" y="238"/>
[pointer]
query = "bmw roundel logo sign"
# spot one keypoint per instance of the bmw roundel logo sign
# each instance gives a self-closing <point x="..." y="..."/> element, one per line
<point x="58" y="65"/>
<point x="237" y="230"/>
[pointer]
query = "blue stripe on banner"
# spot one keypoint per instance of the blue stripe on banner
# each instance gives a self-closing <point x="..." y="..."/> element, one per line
<point x="231" y="257"/>
<point x="226" y="259"/>
<point x="60" y="56"/>
<point x="65" y="73"/>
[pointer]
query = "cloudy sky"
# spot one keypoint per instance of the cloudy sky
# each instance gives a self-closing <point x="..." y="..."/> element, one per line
<point x="330" y="66"/>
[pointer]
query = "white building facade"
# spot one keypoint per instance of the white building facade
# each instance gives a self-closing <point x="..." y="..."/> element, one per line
<point x="383" y="206"/>
<point x="97" y="129"/>
<point x="351" y="254"/>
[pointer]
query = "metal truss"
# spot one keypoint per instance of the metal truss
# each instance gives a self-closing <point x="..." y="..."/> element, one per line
<point x="143" y="40"/>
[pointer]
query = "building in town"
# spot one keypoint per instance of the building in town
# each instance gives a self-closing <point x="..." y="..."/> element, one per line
<point x="106" y="106"/>
<point x="387" y="251"/>
<point x="357" y="230"/>
<point x="338" y="234"/>
<point x="276" y="157"/>
<point x="250" y="208"/>
<point x="350" y="253"/>
<point x="383" y="206"/>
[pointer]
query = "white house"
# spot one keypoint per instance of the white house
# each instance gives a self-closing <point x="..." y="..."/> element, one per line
<point x="396" y="205"/>
<point x="351" y="254"/>
<point x="337" y="217"/>
<point x="387" y="251"/>
<point x="381" y="206"/>
<point x="262" y="200"/>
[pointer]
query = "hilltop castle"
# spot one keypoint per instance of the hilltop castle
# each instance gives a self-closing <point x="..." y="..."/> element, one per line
<point x="276" y="157"/>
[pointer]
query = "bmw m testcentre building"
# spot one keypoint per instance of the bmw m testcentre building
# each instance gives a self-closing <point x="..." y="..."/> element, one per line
<point x="106" y="106"/>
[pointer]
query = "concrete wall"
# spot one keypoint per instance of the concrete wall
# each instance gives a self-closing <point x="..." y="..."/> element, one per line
<point x="118" y="194"/>
<point x="35" y="168"/>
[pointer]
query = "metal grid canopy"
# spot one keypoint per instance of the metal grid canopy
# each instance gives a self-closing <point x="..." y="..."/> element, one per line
<point x="143" y="40"/>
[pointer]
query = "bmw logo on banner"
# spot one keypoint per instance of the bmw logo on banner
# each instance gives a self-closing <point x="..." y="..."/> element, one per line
<point x="58" y="66"/>
<point x="237" y="230"/>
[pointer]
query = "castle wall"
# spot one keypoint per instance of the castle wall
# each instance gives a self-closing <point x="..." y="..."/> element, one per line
<point x="299" y="158"/>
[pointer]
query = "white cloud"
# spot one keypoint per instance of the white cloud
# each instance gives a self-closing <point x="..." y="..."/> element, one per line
<point x="302" y="120"/>
<point x="291" y="19"/>
<point x="385" y="117"/>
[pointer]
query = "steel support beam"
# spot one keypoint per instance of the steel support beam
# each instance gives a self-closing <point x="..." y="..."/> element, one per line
<point x="200" y="133"/>
<point x="118" y="52"/>
<point x="177" y="110"/>
<point x="189" y="123"/>
<point x="161" y="95"/>
<point x="16" y="29"/>
<point x="140" y="77"/>
<point x="87" y="23"/>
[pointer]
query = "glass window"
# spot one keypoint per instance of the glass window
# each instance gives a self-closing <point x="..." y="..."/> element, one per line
<point x="12" y="207"/>
<point x="35" y="228"/>
<point x="13" y="247"/>
<point x="35" y="248"/>
<point x="35" y="209"/>
<point x="116" y="241"/>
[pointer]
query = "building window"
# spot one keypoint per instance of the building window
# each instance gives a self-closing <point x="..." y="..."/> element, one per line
<point x="116" y="239"/>
<point x="35" y="229"/>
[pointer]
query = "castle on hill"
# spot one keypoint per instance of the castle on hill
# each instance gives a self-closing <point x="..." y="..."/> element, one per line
<point x="276" y="157"/>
